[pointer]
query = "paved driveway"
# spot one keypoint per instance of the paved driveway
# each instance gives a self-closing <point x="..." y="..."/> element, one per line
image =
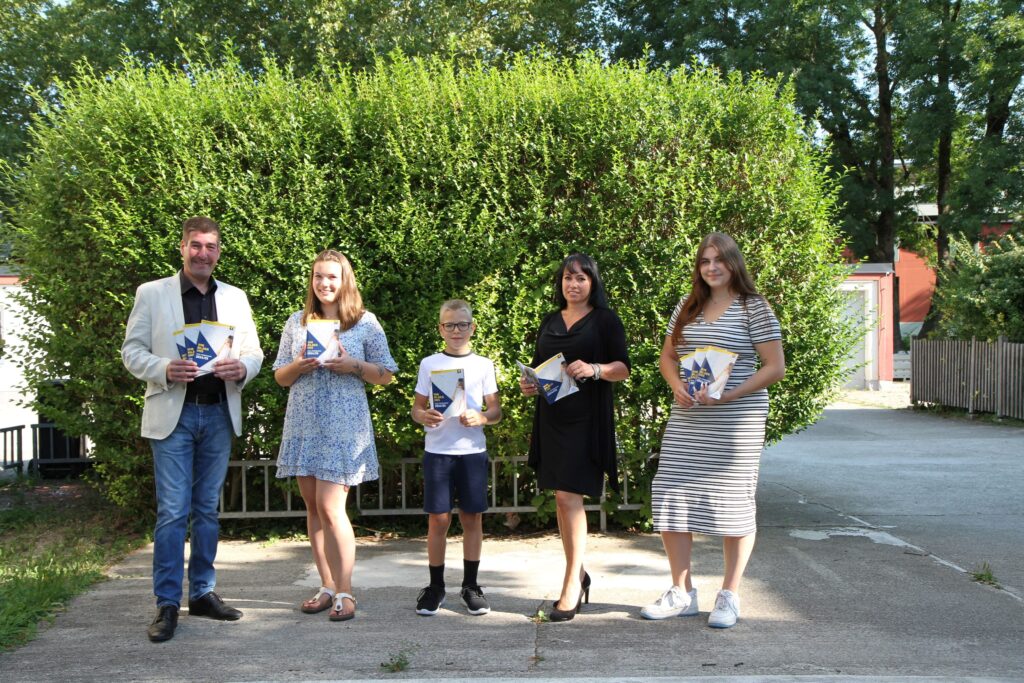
<point x="866" y="522"/>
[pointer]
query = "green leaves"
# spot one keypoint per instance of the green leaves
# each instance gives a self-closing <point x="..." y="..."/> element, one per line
<point x="981" y="293"/>
<point x="437" y="182"/>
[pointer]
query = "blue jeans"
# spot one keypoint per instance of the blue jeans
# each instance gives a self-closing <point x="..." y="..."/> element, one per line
<point x="189" y="466"/>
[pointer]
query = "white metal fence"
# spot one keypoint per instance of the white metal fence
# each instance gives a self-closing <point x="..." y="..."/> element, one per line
<point x="250" y="492"/>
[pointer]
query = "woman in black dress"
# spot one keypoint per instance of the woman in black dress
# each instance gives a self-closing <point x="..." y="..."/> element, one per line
<point x="573" y="443"/>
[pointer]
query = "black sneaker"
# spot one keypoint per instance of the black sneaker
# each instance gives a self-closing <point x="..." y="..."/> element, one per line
<point x="475" y="601"/>
<point x="429" y="601"/>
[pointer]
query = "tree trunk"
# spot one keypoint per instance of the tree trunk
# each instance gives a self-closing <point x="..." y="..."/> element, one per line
<point x="885" y="226"/>
<point x="947" y="106"/>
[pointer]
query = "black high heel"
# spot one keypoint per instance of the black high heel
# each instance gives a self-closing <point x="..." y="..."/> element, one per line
<point x="565" y="614"/>
<point x="568" y="614"/>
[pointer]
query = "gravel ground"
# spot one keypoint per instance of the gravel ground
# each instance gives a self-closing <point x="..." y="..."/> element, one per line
<point x="893" y="395"/>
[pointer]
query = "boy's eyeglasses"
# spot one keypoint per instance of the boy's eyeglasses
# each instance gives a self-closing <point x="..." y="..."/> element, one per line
<point x="460" y="326"/>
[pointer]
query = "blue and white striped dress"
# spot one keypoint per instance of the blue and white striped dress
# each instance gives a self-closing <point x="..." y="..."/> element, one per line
<point x="710" y="455"/>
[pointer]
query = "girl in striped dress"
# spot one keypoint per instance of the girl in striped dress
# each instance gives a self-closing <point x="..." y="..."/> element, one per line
<point x="711" y="451"/>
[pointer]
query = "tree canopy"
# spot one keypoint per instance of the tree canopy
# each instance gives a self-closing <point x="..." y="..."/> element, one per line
<point x="917" y="103"/>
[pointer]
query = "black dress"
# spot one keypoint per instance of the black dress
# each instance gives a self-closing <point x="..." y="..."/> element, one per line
<point x="573" y="443"/>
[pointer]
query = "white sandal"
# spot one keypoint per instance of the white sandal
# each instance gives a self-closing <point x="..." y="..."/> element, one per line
<point x="317" y="604"/>
<point x="337" y="613"/>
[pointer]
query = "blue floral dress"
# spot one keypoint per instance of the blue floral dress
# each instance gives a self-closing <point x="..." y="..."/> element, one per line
<point x="328" y="433"/>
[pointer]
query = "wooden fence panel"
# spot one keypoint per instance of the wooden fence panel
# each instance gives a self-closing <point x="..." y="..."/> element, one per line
<point x="1012" y="393"/>
<point x="985" y="377"/>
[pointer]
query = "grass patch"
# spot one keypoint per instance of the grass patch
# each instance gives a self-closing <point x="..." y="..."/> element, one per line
<point x="983" y="574"/>
<point x="540" y="617"/>
<point x="962" y="414"/>
<point x="396" y="663"/>
<point x="56" y="540"/>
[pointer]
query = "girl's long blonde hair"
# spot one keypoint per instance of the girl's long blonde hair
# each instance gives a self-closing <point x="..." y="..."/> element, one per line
<point x="350" y="301"/>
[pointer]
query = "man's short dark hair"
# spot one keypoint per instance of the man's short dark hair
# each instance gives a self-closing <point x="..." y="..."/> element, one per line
<point x="201" y="224"/>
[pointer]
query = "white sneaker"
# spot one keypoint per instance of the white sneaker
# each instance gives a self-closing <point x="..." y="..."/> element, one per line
<point x="727" y="610"/>
<point x="673" y="602"/>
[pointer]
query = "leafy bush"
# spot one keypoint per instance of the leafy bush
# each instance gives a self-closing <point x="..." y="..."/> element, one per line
<point x="981" y="293"/>
<point x="437" y="183"/>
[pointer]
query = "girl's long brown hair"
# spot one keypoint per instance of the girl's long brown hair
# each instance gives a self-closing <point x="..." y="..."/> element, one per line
<point x="350" y="301"/>
<point x="740" y="282"/>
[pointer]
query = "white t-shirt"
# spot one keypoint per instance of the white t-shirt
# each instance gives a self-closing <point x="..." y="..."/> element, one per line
<point x="451" y="437"/>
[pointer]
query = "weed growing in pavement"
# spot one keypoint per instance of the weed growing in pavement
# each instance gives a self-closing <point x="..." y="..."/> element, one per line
<point x="983" y="574"/>
<point x="398" y="662"/>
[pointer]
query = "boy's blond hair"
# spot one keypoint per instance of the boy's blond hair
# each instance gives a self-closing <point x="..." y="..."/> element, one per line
<point x="456" y="305"/>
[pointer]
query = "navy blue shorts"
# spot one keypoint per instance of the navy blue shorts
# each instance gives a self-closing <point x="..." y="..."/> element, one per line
<point x="451" y="478"/>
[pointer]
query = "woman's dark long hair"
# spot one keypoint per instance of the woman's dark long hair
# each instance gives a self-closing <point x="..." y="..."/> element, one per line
<point x="581" y="263"/>
<point x="741" y="283"/>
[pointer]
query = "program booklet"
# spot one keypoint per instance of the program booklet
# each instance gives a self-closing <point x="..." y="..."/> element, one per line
<point x="185" y="339"/>
<point x="185" y="349"/>
<point x="214" y="342"/>
<point x="708" y="366"/>
<point x="448" y="392"/>
<point x="550" y="378"/>
<point x="323" y="339"/>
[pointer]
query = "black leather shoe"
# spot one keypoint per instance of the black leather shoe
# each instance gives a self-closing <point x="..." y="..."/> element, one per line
<point x="164" y="624"/>
<point x="210" y="605"/>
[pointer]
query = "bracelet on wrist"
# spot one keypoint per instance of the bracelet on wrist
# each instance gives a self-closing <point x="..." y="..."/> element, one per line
<point x="597" y="371"/>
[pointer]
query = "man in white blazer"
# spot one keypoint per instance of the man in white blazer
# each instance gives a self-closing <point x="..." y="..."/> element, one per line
<point x="189" y="418"/>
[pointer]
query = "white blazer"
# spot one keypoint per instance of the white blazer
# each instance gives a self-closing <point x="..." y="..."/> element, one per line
<point x="149" y="348"/>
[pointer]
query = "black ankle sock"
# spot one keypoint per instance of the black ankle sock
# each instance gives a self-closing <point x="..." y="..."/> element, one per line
<point x="437" y="575"/>
<point x="470" y="568"/>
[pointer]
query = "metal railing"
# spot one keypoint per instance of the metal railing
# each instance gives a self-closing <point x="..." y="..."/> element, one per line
<point x="382" y="497"/>
<point x="51" y="449"/>
<point x="11" y="448"/>
<point x="391" y="494"/>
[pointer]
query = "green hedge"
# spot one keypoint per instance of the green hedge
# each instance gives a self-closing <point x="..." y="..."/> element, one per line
<point x="437" y="182"/>
<point x="981" y="293"/>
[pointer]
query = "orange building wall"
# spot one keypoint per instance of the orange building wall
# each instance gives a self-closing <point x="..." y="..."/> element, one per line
<point x="917" y="284"/>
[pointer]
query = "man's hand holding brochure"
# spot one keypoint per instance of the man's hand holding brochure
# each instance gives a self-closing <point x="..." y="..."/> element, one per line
<point x="206" y="343"/>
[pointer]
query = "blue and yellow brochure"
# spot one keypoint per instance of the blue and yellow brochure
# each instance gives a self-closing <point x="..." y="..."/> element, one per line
<point x="186" y="343"/>
<point x="550" y="378"/>
<point x="323" y="339"/>
<point x="186" y="338"/>
<point x="214" y="341"/>
<point x="448" y="392"/>
<point x="708" y="366"/>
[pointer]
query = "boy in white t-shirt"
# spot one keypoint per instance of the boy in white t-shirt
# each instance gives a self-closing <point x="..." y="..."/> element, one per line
<point x="455" y="462"/>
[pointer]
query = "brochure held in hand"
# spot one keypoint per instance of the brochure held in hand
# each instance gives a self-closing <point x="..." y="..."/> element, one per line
<point x="323" y="339"/>
<point x="550" y="378"/>
<point x="448" y="392"/>
<point x="708" y="366"/>
<point x="185" y="340"/>
<point x="206" y="343"/>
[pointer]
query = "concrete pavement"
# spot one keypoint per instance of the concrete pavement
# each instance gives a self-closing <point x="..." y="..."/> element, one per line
<point x="867" y="521"/>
